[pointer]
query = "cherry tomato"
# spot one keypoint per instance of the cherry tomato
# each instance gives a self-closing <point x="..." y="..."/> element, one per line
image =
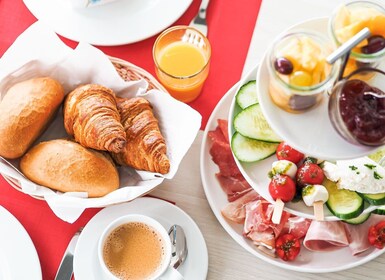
<point x="284" y="151"/>
<point x="287" y="247"/>
<point x="283" y="187"/>
<point x="376" y="235"/>
<point x="309" y="174"/>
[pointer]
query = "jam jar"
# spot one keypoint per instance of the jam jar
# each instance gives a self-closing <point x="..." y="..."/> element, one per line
<point x="298" y="72"/>
<point x="357" y="107"/>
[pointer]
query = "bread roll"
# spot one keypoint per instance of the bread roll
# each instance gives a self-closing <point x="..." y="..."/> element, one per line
<point x="25" y="111"/>
<point x="67" y="166"/>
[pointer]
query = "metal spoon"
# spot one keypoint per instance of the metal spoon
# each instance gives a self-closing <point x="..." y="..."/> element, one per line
<point x="179" y="246"/>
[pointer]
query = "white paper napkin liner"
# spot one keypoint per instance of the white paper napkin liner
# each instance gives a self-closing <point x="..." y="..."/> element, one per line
<point x="38" y="52"/>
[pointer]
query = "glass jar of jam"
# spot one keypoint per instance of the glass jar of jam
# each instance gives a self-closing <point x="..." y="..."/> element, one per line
<point x="356" y="108"/>
<point x="347" y="20"/>
<point x="298" y="71"/>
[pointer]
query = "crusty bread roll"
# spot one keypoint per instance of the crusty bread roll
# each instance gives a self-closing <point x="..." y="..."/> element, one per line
<point x="25" y="111"/>
<point x="67" y="166"/>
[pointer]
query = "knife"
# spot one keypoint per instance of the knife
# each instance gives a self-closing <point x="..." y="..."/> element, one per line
<point x="199" y="22"/>
<point x="65" y="270"/>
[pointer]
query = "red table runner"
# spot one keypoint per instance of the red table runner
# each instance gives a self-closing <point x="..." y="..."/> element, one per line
<point x="231" y="24"/>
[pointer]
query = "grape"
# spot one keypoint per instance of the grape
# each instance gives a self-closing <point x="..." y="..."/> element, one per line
<point x="283" y="66"/>
<point x="375" y="44"/>
<point x="301" y="78"/>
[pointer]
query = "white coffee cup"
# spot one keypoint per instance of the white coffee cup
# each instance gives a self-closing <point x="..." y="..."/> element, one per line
<point x="164" y="271"/>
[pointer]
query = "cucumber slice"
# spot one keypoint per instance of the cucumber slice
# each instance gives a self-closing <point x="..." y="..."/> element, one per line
<point x="374" y="199"/>
<point x="380" y="210"/>
<point x="358" y="220"/>
<point x="250" y="150"/>
<point x="247" y="95"/>
<point x="344" y="204"/>
<point x="251" y="123"/>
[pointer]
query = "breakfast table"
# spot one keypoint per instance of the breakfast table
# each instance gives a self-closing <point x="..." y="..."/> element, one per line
<point x="239" y="33"/>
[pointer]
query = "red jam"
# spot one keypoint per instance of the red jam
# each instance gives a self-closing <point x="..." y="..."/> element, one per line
<point x="363" y="114"/>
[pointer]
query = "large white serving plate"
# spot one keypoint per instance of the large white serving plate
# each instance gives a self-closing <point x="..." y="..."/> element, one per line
<point x="18" y="256"/>
<point x="117" y="23"/>
<point x="306" y="261"/>
<point x="310" y="132"/>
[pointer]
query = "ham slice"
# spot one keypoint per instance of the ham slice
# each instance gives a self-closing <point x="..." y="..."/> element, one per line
<point x="235" y="211"/>
<point x="258" y="225"/>
<point x="217" y="135"/>
<point x="325" y="236"/>
<point x="358" y="234"/>
<point x="234" y="187"/>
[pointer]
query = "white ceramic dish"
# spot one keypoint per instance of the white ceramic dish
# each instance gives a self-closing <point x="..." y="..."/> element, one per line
<point x="310" y="132"/>
<point x="117" y="23"/>
<point x="256" y="174"/>
<point x="18" y="256"/>
<point x="306" y="261"/>
<point x="85" y="259"/>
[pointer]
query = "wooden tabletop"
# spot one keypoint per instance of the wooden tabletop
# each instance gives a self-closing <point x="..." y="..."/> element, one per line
<point x="227" y="259"/>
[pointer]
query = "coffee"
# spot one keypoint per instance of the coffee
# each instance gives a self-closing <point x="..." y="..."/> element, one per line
<point x="133" y="250"/>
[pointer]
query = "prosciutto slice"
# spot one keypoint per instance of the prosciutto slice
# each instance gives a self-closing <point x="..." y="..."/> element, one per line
<point x="234" y="187"/>
<point x="236" y="211"/>
<point x="325" y="236"/>
<point x="258" y="225"/>
<point x="358" y="234"/>
<point x="297" y="226"/>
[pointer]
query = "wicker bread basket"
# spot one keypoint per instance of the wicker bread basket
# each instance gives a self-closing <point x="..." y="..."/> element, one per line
<point x="129" y="72"/>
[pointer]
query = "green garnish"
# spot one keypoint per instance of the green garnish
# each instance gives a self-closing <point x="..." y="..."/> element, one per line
<point x="352" y="167"/>
<point x="370" y="166"/>
<point x="377" y="176"/>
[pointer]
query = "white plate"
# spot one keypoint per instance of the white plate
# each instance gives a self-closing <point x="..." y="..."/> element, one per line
<point x="306" y="261"/>
<point x="310" y="132"/>
<point x="116" y="23"/>
<point x="256" y="174"/>
<point x="86" y="260"/>
<point x="18" y="257"/>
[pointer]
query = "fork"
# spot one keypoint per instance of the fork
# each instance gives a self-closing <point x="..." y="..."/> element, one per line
<point x="193" y="37"/>
<point x="199" y="22"/>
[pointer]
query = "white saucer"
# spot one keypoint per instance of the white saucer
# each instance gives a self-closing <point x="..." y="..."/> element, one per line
<point x="18" y="256"/>
<point x="117" y="23"/>
<point x="86" y="261"/>
<point x="310" y="132"/>
<point x="307" y="261"/>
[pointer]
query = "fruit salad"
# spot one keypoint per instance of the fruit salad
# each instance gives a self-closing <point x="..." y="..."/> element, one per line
<point x="299" y="73"/>
<point x="348" y="20"/>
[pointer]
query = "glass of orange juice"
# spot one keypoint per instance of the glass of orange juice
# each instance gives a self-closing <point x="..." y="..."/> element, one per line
<point x="182" y="61"/>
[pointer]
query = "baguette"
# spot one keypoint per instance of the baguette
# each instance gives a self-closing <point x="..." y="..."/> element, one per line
<point x="25" y="111"/>
<point x="67" y="166"/>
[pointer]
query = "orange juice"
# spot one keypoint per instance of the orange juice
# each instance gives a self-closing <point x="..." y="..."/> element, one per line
<point x="182" y="65"/>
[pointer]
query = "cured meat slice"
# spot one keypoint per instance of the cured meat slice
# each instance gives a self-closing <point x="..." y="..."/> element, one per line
<point x="325" y="236"/>
<point x="258" y="225"/>
<point x="217" y="135"/>
<point x="234" y="187"/>
<point x="222" y="156"/>
<point x="297" y="226"/>
<point x="235" y="211"/>
<point x="223" y="125"/>
<point x="358" y="234"/>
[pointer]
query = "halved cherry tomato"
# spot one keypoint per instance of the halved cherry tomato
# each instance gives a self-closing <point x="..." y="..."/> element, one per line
<point x="376" y="235"/>
<point x="284" y="151"/>
<point x="309" y="174"/>
<point x="283" y="187"/>
<point x="287" y="247"/>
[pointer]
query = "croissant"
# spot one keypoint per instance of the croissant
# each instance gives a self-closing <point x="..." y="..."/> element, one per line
<point x="91" y="116"/>
<point x="145" y="148"/>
